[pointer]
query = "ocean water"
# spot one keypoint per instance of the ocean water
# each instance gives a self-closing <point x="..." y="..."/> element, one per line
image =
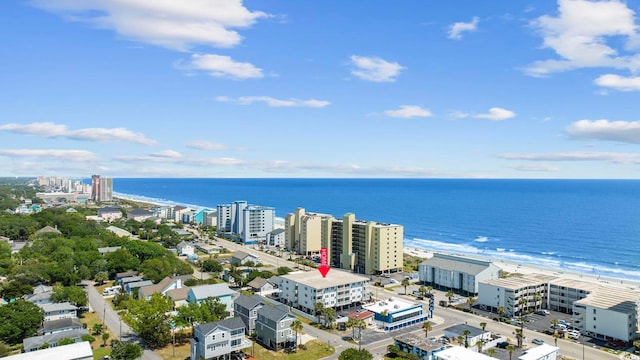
<point x="591" y="226"/>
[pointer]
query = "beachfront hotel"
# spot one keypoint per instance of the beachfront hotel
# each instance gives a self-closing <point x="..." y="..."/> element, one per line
<point x="461" y="274"/>
<point x="516" y="294"/>
<point x="101" y="188"/>
<point x="339" y="289"/>
<point x="249" y="223"/>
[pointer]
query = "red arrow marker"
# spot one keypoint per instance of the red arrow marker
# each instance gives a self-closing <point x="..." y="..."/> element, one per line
<point x="323" y="268"/>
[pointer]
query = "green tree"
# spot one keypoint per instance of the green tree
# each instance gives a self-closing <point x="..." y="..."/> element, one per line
<point x="466" y="333"/>
<point x="479" y="344"/>
<point x="426" y="326"/>
<point x="18" y="320"/>
<point x="522" y="305"/>
<point x="318" y="308"/>
<point x="122" y="351"/>
<point x="450" y="295"/>
<point x="101" y="277"/>
<point x="65" y="341"/>
<point x="73" y="294"/>
<point x="283" y="270"/>
<point x="212" y="265"/>
<point x="208" y="310"/>
<point x="405" y="282"/>
<point x="511" y="349"/>
<point x="150" y="319"/>
<point x="501" y="311"/>
<point x="296" y="325"/>
<point x="423" y="290"/>
<point x="97" y="328"/>
<point x="471" y="301"/>
<point x="105" y="337"/>
<point x="14" y="290"/>
<point x="355" y="354"/>
<point x="519" y="333"/>
<point x="329" y="315"/>
<point x="491" y="351"/>
<point x="121" y="260"/>
<point x="393" y="350"/>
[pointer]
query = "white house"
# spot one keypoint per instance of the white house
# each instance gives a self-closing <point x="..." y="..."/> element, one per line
<point x="185" y="248"/>
<point x="218" y="339"/>
<point x="57" y="311"/>
<point x="241" y="257"/>
<point x="542" y="352"/>
<point x="473" y="334"/>
<point x="109" y="213"/>
<point x="77" y="351"/>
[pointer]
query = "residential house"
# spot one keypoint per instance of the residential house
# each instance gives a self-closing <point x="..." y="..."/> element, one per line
<point x="132" y="287"/>
<point x="222" y="292"/>
<point x="471" y="334"/>
<point x="60" y="325"/>
<point x="273" y="327"/>
<point x="163" y="286"/>
<point x="109" y="249"/>
<point x="542" y="352"/>
<point x="185" y="248"/>
<point x="78" y="351"/>
<point x="34" y="343"/>
<point x="122" y="275"/>
<point x="48" y="230"/>
<point x="264" y="287"/>
<point x="459" y="353"/>
<point x="218" y="340"/>
<point x="139" y="215"/>
<point x="59" y="311"/>
<point x="241" y="257"/>
<point x="41" y="295"/>
<point x="110" y="213"/>
<point x="246" y="308"/>
<point x="178" y="296"/>
<point x="420" y="346"/>
<point x="120" y="232"/>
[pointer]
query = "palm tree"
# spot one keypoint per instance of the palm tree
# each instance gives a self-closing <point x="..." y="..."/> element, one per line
<point x="426" y="326"/>
<point x="556" y="335"/>
<point x="360" y="325"/>
<point x="483" y="325"/>
<point x="522" y="305"/>
<point x="330" y="316"/>
<point x="519" y="336"/>
<point x="450" y="295"/>
<point x="460" y="340"/>
<point x="491" y="351"/>
<point x="554" y="322"/>
<point x="466" y="333"/>
<point x="429" y="289"/>
<point x="538" y="299"/>
<point x="470" y="302"/>
<point x="501" y="311"/>
<point x="479" y="345"/>
<point x="318" y="307"/>
<point x="422" y="289"/>
<point x="405" y="282"/>
<point x="511" y="349"/>
<point x="296" y="325"/>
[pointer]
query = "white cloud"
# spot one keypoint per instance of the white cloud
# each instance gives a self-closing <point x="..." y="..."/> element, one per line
<point x="409" y="111"/>
<point x="66" y="155"/>
<point x="224" y="67"/>
<point x="579" y="36"/>
<point x="535" y="167"/>
<point x="190" y="161"/>
<point x="172" y="24"/>
<point x="625" y="158"/>
<point x="206" y="145"/>
<point x="496" y="114"/>
<point x="618" y="82"/>
<point x="172" y="154"/>
<point x="52" y="130"/>
<point x="375" y="69"/>
<point x="273" y="102"/>
<point x="456" y="29"/>
<point x="621" y="131"/>
<point x="282" y="166"/>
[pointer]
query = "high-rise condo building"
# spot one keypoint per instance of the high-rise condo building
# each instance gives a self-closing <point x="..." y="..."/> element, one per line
<point x="250" y="223"/>
<point x="303" y="231"/>
<point x="101" y="188"/>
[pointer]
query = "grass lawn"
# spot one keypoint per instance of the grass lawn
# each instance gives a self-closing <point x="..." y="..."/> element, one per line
<point x="314" y="350"/>
<point x="182" y="350"/>
<point x="90" y="318"/>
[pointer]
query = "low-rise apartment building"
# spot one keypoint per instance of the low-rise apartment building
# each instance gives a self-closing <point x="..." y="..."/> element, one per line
<point x="339" y="289"/>
<point x="461" y="274"/>
<point x="516" y="294"/>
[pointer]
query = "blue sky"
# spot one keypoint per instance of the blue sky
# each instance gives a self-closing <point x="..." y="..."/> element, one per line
<point x="224" y="88"/>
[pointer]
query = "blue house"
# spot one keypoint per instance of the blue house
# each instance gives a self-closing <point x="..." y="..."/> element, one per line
<point x="220" y="291"/>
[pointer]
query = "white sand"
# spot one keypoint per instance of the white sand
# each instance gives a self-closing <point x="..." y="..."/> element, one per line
<point x="524" y="268"/>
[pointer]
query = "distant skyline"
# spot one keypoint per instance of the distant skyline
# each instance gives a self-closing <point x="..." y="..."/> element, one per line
<point x="321" y="89"/>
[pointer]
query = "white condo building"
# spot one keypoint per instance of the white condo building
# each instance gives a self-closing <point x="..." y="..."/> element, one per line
<point x="508" y="292"/>
<point x="249" y="223"/>
<point x="457" y="273"/>
<point x="340" y="289"/>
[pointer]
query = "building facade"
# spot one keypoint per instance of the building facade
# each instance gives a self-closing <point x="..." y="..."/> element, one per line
<point x="101" y="188"/>
<point x="457" y="273"/>
<point x="339" y="289"/>
<point x="246" y="308"/>
<point x="304" y="231"/>
<point x="273" y="327"/>
<point x="218" y="340"/>
<point x="247" y="223"/>
<point x="516" y="295"/>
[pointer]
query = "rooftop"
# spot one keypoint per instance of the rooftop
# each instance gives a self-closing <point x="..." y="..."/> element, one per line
<point x="419" y="342"/>
<point x="620" y="300"/>
<point x="232" y="323"/>
<point x="315" y="280"/>
<point x="457" y="263"/>
<point x="212" y="290"/>
<point x="79" y="350"/>
<point x="519" y="282"/>
<point x="460" y="353"/>
<point x="460" y="328"/>
<point x="391" y="305"/>
<point x="539" y="352"/>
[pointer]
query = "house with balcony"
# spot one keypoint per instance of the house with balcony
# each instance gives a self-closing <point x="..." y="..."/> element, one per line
<point x="273" y="327"/>
<point x="57" y="311"/>
<point x="222" y="292"/>
<point x="218" y="340"/>
<point x="246" y="308"/>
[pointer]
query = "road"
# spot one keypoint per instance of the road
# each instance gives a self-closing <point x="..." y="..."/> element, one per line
<point x="112" y="321"/>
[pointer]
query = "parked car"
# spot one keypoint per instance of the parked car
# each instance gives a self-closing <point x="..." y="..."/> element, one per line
<point x="573" y="334"/>
<point x="542" y="312"/>
<point x="502" y="344"/>
<point x="537" y="341"/>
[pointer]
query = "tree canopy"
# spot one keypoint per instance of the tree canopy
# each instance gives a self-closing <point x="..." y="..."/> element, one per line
<point x="18" y="320"/>
<point x="355" y="354"/>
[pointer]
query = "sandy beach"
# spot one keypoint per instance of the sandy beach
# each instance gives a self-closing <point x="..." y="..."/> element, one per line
<point x="525" y="268"/>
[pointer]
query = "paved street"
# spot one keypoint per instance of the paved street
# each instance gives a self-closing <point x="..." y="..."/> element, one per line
<point x="112" y="321"/>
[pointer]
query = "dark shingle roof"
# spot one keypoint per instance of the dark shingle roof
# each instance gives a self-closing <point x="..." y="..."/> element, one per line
<point x="248" y="302"/>
<point x="233" y="323"/>
<point x="275" y="313"/>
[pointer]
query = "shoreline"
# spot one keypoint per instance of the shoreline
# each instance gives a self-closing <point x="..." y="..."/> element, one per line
<point x="509" y="265"/>
<point x="528" y="268"/>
